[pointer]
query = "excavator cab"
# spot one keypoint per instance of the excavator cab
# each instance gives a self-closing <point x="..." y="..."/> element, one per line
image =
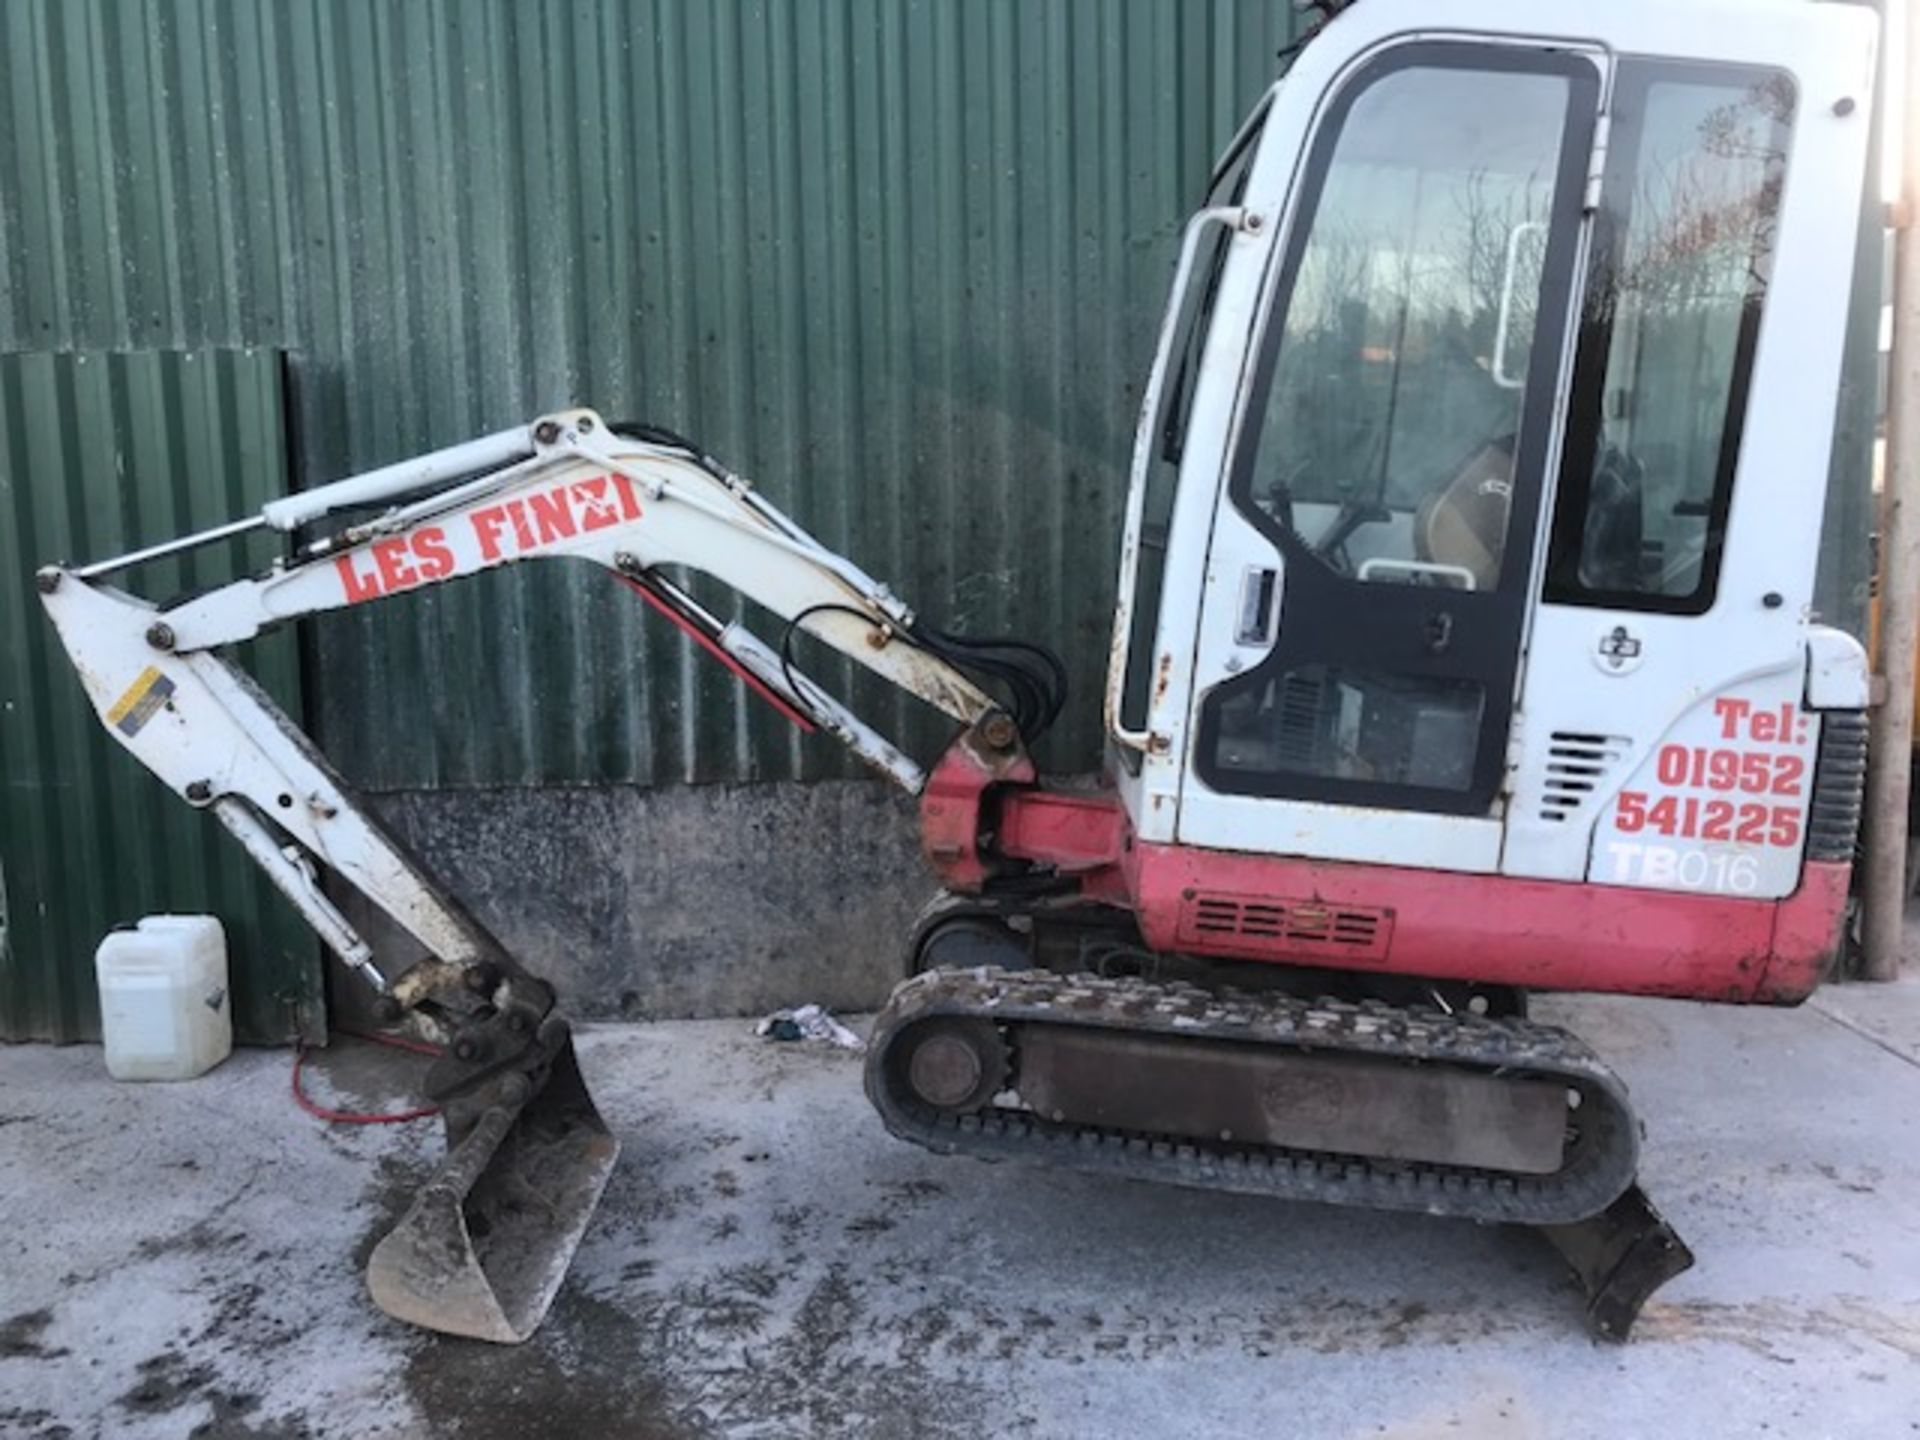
<point x="1488" y="446"/>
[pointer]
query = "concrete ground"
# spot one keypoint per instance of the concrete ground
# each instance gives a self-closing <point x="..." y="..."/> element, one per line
<point x="184" y="1260"/>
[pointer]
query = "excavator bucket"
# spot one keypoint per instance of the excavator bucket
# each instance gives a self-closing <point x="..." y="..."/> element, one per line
<point x="487" y="1241"/>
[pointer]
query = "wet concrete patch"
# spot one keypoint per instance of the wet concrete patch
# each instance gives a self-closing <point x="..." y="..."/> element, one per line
<point x="167" y="1381"/>
<point x="21" y="1337"/>
<point x="38" y="1424"/>
<point x="235" y="1419"/>
<point x="585" y="1373"/>
<point x="367" y="1077"/>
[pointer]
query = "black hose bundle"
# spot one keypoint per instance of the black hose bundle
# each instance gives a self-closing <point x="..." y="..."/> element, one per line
<point x="1031" y="679"/>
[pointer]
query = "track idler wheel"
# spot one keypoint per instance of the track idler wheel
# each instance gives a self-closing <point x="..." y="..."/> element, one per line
<point x="956" y="1066"/>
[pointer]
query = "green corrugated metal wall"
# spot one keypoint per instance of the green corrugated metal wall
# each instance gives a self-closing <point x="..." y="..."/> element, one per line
<point x="900" y="262"/>
<point x="98" y="452"/>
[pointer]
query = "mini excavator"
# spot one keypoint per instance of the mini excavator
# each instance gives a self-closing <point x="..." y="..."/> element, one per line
<point x="1464" y="647"/>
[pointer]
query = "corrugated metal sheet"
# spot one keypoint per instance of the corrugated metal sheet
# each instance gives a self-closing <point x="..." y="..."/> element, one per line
<point x="901" y="262"/>
<point x="98" y="452"/>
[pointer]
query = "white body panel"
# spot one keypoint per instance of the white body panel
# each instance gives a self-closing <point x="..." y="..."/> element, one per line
<point x="1718" y="803"/>
<point x="1338" y="832"/>
<point x="1837" y="672"/>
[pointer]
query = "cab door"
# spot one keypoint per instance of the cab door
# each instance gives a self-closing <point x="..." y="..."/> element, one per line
<point x="1366" y="594"/>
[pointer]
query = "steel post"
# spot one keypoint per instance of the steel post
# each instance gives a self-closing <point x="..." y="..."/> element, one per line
<point x="1891" y="751"/>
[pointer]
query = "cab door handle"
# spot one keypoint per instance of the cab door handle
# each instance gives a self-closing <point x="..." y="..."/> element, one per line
<point x="1259" y="606"/>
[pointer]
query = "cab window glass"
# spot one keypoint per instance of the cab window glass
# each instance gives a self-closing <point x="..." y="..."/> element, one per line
<point x="1389" y="440"/>
<point x="1682" y="251"/>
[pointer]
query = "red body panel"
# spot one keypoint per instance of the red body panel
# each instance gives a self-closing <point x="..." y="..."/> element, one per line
<point x="1806" y="933"/>
<point x="953" y="810"/>
<point x="1498" y="929"/>
<point x="1446" y="925"/>
<point x="1074" y="832"/>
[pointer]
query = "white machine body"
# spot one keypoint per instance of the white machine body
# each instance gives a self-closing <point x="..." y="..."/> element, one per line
<point x="1387" y="631"/>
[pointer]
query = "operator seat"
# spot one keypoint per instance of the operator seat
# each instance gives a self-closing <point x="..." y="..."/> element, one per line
<point x="1464" y="522"/>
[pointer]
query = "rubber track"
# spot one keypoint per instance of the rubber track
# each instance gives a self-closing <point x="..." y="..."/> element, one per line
<point x="1601" y="1162"/>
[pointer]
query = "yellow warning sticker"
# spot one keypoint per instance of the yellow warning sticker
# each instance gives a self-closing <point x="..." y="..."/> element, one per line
<point x="141" y="701"/>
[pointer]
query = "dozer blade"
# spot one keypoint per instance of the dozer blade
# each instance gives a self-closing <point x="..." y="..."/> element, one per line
<point x="1620" y="1257"/>
<point x="487" y="1241"/>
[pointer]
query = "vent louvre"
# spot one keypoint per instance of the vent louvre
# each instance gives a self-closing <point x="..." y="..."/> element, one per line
<point x="1839" y="786"/>
<point x="1221" y="923"/>
<point x="1577" y="763"/>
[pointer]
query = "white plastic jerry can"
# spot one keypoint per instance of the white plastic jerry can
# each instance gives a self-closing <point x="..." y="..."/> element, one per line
<point x="164" y="1009"/>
